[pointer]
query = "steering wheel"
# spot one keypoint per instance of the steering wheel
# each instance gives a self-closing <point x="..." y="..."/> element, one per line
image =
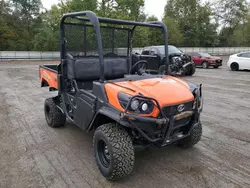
<point x="139" y="67"/>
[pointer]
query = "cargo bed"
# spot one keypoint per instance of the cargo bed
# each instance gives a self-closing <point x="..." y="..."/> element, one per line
<point x="48" y="76"/>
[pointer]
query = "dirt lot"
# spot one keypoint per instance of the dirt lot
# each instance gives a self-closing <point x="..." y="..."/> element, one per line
<point x="34" y="155"/>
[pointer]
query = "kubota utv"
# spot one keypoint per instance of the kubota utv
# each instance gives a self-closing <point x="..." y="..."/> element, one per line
<point x="99" y="90"/>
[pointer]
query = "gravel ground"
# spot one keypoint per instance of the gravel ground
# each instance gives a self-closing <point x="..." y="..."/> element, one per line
<point x="34" y="155"/>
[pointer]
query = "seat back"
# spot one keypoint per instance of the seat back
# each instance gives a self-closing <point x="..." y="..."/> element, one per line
<point x="88" y="68"/>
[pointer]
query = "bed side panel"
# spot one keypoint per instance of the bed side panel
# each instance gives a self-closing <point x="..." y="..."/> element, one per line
<point x="48" y="77"/>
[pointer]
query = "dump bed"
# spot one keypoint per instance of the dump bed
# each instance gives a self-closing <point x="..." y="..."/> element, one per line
<point x="48" y="76"/>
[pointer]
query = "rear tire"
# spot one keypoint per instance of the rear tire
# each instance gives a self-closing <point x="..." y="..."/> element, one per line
<point x="204" y="65"/>
<point x="53" y="116"/>
<point x="192" y="139"/>
<point x="114" y="151"/>
<point x="234" y="66"/>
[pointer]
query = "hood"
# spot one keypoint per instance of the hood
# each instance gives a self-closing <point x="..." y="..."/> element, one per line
<point x="167" y="91"/>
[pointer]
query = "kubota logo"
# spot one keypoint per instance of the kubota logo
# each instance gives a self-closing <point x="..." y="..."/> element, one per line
<point x="181" y="107"/>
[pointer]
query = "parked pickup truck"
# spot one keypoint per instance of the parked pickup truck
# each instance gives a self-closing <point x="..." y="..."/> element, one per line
<point x="179" y="62"/>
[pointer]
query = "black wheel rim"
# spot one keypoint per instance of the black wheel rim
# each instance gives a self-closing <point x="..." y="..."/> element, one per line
<point x="48" y="114"/>
<point x="234" y="67"/>
<point x="103" y="153"/>
<point x="162" y="70"/>
<point x="142" y="66"/>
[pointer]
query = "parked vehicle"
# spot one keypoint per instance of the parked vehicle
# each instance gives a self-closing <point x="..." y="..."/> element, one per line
<point x="124" y="106"/>
<point x="179" y="63"/>
<point x="205" y="60"/>
<point x="239" y="61"/>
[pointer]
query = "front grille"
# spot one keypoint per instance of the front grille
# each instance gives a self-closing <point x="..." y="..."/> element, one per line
<point x="172" y="110"/>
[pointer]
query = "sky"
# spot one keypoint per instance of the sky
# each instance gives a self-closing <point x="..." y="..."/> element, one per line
<point x="151" y="7"/>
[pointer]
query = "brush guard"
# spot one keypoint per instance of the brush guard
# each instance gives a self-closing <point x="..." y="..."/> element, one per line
<point x="166" y="122"/>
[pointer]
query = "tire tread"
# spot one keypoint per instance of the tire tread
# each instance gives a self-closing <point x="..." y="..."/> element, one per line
<point x="123" y="150"/>
<point x="192" y="139"/>
<point x="58" y="118"/>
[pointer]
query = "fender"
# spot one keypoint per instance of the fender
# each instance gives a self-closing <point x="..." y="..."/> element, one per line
<point x="111" y="114"/>
<point x="56" y="99"/>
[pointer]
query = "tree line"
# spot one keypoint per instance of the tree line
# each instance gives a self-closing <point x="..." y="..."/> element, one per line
<point x="26" y="25"/>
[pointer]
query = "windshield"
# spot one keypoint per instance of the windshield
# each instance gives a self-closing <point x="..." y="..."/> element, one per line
<point x="171" y="50"/>
<point x="205" y="55"/>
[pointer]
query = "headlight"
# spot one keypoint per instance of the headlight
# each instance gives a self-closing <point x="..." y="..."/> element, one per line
<point x="144" y="106"/>
<point x="137" y="105"/>
<point x="134" y="104"/>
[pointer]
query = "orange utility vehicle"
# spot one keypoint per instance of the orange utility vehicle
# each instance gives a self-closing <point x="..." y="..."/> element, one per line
<point x="99" y="90"/>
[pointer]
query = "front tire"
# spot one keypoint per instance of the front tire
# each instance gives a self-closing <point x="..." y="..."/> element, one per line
<point x="234" y="66"/>
<point x="162" y="70"/>
<point x="204" y="65"/>
<point x="114" y="151"/>
<point x="53" y="116"/>
<point x="192" y="70"/>
<point x="192" y="139"/>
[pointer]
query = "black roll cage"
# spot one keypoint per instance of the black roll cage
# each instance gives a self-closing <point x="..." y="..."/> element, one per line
<point x="95" y="21"/>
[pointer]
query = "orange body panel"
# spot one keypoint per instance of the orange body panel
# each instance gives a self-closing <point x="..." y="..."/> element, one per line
<point x="49" y="76"/>
<point x="167" y="91"/>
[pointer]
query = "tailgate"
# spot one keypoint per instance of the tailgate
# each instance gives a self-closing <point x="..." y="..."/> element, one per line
<point x="48" y="76"/>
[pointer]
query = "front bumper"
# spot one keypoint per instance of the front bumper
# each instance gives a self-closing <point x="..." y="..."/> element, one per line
<point x="217" y="63"/>
<point x="164" y="130"/>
